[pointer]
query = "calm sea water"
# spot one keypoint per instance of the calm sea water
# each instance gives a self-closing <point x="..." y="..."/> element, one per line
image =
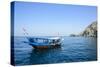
<point x="73" y="49"/>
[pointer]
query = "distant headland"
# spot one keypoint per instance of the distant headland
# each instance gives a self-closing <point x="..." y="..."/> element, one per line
<point x="89" y="31"/>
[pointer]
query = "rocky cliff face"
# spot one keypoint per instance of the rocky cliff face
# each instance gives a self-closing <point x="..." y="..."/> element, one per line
<point x="91" y="30"/>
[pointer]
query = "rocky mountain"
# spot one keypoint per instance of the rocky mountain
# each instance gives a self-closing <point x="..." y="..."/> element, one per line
<point x="91" y="30"/>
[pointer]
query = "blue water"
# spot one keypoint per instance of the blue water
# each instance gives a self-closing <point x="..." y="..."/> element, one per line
<point x="73" y="49"/>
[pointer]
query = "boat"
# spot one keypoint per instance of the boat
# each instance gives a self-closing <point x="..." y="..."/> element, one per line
<point x="45" y="43"/>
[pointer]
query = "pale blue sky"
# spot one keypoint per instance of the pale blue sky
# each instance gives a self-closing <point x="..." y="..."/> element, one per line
<point x="45" y="19"/>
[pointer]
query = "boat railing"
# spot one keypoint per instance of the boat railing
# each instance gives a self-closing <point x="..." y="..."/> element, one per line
<point x="44" y="41"/>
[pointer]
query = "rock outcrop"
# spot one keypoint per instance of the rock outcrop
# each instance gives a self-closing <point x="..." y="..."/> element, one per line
<point x="91" y="30"/>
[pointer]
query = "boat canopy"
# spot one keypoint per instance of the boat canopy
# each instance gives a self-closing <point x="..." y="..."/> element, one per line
<point x="54" y="38"/>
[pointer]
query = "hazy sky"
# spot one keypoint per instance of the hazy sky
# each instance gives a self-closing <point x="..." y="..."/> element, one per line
<point x="50" y="19"/>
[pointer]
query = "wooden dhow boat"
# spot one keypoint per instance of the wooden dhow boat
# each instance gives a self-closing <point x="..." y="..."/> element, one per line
<point x="45" y="43"/>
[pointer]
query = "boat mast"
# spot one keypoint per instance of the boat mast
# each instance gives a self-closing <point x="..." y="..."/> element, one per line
<point x="58" y="34"/>
<point x="25" y="33"/>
